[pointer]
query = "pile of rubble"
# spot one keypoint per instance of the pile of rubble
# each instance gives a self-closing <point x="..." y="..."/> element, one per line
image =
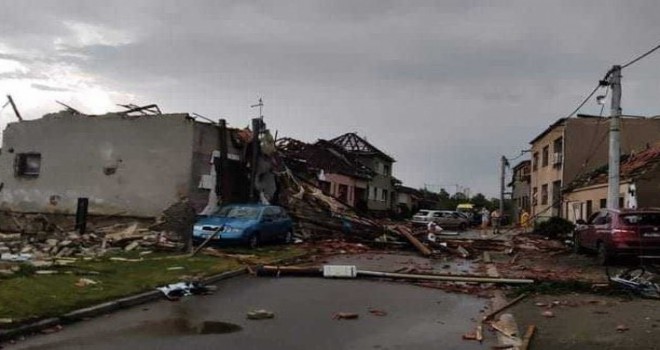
<point x="318" y="216"/>
<point x="94" y="243"/>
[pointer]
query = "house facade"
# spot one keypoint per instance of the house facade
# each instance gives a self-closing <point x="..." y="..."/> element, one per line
<point x="381" y="194"/>
<point x="520" y="188"/>
<point x="573" y="146"/>
<point x="639" y="186"/>
<point x="408" y="197"/>
<point x="133" y="165"/>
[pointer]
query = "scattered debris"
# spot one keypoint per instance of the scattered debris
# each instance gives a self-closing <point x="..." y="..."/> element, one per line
<point x="178" y="290"/>
<point x="377" y="312"/>
<point x="548" y="314"/>
<point x="345" y="316"/>
<point x="84" y="282"/>
<point x="260" y="314"/>
<point x="527" y="338"/>
<point x="622" y="328"/>
<point x="493" y="313"/>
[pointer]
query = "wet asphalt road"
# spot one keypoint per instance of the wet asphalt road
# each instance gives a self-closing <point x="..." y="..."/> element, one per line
<point x="417" y="318"/>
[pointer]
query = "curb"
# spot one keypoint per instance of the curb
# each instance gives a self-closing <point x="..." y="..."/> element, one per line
<point x="103" y="308"/>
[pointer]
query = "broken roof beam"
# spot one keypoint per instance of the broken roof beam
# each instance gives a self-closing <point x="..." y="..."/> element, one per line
<point x="70" y="109"/>
<point x="153" y="108"/>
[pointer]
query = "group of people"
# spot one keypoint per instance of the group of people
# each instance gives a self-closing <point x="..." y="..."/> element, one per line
<point x="494" y="217"/>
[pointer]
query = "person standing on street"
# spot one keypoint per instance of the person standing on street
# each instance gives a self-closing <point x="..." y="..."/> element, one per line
<point x="485" y="217"/>
<point x="496" y="218"/>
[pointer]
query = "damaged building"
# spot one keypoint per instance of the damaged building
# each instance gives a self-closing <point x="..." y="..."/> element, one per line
<point x="347" y="168"/>
<point x="381" y="191"/>
<point x="124" y="163"/>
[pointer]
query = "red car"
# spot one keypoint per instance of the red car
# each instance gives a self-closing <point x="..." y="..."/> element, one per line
<point x="613" y="233"/>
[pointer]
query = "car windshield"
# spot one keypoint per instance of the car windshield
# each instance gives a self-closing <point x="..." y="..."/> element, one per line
<point x="641" y="219"/>
<point x="239" y="212"/>
<point x="422" y="213"/>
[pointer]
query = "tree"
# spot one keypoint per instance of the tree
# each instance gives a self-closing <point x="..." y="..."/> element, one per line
<point x="480" y="201"/>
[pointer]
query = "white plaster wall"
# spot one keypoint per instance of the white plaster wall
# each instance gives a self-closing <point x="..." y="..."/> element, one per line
<point x="152" y="156"/>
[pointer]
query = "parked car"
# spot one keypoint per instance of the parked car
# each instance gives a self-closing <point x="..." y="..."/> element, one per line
<point x="614" y="233"/>
<point x="250" y="224"/>
<point x="444" y="218"/>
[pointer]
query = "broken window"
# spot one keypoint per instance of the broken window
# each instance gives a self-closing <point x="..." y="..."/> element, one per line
<point x="535" y="162"/>
<point x="546" y="155"/>
<point x="544" y="194"/>
<point x="342" y="193"/>
<point x="28" y="164"/>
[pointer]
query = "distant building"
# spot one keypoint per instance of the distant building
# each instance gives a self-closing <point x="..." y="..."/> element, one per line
<point x="408" y="197"/>
<point x="520" y="188"/>
<point x="132" y="165"/>
<point x="573" y="146"/>
<point x="381" y="195"/>
<point x="639" y="186"/>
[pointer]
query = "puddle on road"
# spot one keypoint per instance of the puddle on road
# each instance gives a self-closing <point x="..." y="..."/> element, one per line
<point x="182" y="326"/>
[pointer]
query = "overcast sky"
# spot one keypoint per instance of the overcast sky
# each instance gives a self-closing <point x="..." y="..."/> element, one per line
<point x="445" y="87"/>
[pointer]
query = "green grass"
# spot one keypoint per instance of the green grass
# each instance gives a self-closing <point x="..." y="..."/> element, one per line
<point x="31" y="296"/>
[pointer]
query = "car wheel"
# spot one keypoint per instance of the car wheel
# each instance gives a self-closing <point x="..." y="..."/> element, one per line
<point x="603" y="257"/>
<point x="577" y="246"/>
<point x="254" y="241"/>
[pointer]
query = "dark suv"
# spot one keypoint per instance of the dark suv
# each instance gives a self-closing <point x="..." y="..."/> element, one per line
<point x="613" y="233"/>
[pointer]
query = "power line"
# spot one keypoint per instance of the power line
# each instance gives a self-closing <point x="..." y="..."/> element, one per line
<point x="640" y="57"/>
<point x="584" y="101"/>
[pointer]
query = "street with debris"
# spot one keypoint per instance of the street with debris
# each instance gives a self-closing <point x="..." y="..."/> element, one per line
<point x="329" y="175"/>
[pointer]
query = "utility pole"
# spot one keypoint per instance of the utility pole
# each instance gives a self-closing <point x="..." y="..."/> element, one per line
<point x="13" y="106"/>
<point x="503" y="163"/>
<point x="615" y="134"/>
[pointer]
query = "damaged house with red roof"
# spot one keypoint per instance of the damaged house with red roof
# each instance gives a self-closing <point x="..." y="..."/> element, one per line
<point x="639" y="186"/>
<point x="347" y="168"/>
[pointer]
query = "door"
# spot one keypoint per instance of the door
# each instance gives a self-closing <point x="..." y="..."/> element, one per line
<point x="597" y="228"/>
<point x="269" y="224"/>
<point x="587" y="233"/>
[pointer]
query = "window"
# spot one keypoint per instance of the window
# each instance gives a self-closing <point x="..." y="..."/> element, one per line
<point x="373" y="194"/>
<point x="325" y="186"/>
<point x="535" y="161"/>
<point x="342" y="193"/>
<point x="603" y="203"/>
<point x="544" y="194"/>
<point x="589" y="208"/>
<point x="535" y="196"/>
<point x="28" y="164"/>
<point x="546" y="154"/>
<point x="384" y="196"/>
<point x="557" y="152"/>
<point x="387" y="170"/>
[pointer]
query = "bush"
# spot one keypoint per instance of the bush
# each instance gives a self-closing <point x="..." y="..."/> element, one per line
<point x="554" y="227"/>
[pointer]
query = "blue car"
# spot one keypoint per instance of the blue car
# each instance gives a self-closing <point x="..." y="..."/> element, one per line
<point x="249" y="224"/>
